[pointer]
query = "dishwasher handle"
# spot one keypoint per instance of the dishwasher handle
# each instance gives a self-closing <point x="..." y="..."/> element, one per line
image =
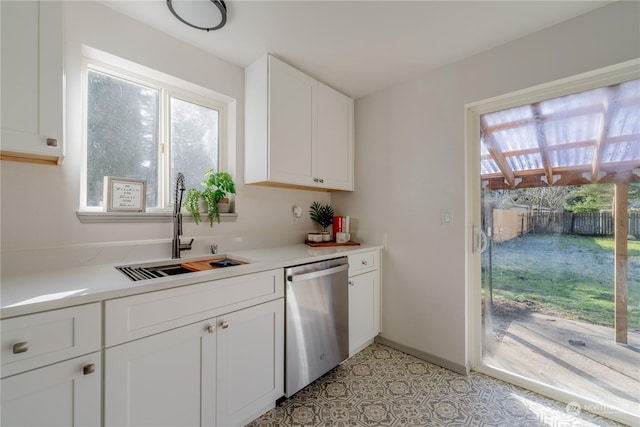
<point x="319" y="273"/>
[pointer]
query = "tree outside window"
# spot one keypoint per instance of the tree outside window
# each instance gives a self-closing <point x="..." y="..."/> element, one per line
<point x="125" y="119"/>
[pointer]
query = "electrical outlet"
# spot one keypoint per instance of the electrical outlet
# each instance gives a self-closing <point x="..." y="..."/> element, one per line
<point x="296" y="214"/>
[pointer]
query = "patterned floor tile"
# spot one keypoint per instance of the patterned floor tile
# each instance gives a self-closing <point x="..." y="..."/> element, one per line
<point x="375" y="413"/>
<point x="381" y="386"/>
<point x="335" y="390"/>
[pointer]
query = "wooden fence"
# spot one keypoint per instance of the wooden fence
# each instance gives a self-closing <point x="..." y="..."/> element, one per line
<point x="509" y="223"/>
<point x="588" y="224"/>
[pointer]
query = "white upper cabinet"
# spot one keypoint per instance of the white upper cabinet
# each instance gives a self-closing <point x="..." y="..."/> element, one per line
<point x="334" y="149"/>
<point x="32" y="81"/>
<point x="292" y="99"/>
<point x="299" y="132"/>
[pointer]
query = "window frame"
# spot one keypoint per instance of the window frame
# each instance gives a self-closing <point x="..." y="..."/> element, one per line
<point x="168" y="87"/>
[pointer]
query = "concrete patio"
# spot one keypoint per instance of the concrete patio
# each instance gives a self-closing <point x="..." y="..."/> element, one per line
<point x="567" y="354"/>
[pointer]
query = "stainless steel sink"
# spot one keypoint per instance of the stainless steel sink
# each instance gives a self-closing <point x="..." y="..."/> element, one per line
<point x="137" y="272"/>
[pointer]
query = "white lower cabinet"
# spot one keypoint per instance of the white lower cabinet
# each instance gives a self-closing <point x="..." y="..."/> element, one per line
<point x="224" y="371"/>
<point x="364" y="300"/>
<point x="166" y="379"/>
<point x="63" y="394"/>
<point x="250" y="359"/>
<point x="51" y="368"/>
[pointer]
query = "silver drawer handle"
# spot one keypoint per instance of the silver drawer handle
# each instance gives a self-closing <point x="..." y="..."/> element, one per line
<point x="364" y="262"/>
<point x="21" y="347"/>
<point x="89" y="369"/>
<point x="224" y="324"/>
<point x="351" y="283"/>
<point x="211" y="328"/>
<point x="52" y="142"/>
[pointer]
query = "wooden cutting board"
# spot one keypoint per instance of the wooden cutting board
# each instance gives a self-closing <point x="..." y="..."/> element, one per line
<point x="204" y="265"/>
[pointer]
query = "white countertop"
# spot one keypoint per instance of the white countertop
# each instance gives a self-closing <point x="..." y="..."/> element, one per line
<point x="33" y="292"/>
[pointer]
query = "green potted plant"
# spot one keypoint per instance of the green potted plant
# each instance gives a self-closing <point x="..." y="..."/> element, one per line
<point x="216" y="187"/>
<point x="323" y="215"/>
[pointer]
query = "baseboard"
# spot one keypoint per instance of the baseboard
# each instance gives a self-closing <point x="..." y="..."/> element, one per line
<point x="461" y="369"/>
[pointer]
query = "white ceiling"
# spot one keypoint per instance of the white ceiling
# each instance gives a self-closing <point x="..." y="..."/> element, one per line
<point x="360" y="47"/>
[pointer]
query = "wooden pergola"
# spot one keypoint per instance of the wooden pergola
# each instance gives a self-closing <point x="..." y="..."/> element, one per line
<point x="590" y="137"/>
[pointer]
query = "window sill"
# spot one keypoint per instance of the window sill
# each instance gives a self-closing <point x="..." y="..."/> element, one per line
<point x="87" y="217"/>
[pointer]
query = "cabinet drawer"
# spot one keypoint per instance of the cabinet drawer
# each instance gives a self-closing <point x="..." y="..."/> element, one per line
<point x="138" y="316"/>
<point x="63" y="394"/>
<point x="39" y="339"/>
<point x="360" y="263"/>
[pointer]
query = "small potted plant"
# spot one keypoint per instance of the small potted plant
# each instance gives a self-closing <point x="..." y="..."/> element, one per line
<point x="323" y="215"/>
<point x="216" y="187"/>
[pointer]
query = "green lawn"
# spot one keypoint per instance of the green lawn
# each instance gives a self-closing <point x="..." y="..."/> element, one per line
<point x="633" y="246"/>
<point x="568" y="275"/>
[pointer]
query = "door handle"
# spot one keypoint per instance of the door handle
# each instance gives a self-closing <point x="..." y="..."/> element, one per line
<point x="480" y="240"/>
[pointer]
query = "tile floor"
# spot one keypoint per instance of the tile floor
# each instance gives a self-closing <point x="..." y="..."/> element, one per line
<point x="381" y="386"/>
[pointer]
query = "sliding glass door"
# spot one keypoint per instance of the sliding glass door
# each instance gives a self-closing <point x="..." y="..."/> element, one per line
<point x="557" y="241"/>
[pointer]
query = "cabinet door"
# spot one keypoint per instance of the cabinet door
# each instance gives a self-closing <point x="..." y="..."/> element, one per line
<point x="334" y="149"/>
<point x="163" y="380"/>
<point x="291" y="124"/>
<point x="32" y="80"/>
<point x="250" y="362"/>
<point x="62" y="394"/>
<point x="364" y="310"/>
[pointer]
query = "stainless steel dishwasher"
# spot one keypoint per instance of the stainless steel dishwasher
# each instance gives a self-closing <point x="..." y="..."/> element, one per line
<point x="317" y="322"/>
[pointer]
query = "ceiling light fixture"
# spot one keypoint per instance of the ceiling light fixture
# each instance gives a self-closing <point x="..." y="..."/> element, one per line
<point x="205" y="15"/>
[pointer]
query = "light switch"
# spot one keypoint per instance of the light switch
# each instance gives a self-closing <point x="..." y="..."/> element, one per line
<point x="446" y="216"/>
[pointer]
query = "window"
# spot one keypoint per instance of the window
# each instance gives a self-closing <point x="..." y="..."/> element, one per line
<point x="142" y="128"/>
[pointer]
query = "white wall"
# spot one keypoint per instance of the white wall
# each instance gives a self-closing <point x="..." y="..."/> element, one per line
<point x="410" y="157"/>
<point x="39" y="203"/>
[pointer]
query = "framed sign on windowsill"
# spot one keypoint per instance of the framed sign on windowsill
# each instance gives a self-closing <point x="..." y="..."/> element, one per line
<point x="125" y="194"/>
